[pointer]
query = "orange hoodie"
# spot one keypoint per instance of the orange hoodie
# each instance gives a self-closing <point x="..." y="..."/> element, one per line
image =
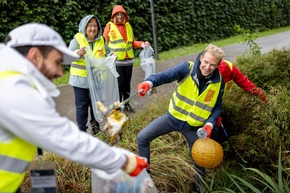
<point x="121" y="27"/>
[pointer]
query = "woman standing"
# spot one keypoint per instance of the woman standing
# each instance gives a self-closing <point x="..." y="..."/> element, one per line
<point x="120" y="38"/>
<point x="90" y="34"/>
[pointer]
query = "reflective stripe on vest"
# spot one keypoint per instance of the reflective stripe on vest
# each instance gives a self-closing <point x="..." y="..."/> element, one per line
<point x="117" y="44"/>
<point x="78" y="67"/>
<point x="15" y="156"/>
<point x="187" y="105"/>
<point x="228" y="84"/>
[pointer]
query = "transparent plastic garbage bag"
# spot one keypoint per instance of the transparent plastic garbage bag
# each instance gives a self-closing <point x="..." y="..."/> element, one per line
<point x="147" y="63"/>
<point x="102" y="80"/>
<point x="121" y="182"/>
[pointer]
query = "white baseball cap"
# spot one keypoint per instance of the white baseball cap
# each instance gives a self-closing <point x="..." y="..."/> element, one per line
<point x="36" y="34"/>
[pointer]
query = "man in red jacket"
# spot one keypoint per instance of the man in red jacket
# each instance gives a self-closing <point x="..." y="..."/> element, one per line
<point x="231" y="73"/>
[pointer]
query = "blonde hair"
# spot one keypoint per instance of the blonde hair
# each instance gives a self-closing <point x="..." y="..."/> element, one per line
<point x="215" y="51"/>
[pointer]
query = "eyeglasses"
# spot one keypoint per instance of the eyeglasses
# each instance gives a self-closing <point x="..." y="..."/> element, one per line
<point x="92" y="25"/>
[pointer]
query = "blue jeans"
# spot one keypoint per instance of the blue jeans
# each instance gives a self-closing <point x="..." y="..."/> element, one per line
<point x="164" y="125"/>
<point x="83" y="105"/>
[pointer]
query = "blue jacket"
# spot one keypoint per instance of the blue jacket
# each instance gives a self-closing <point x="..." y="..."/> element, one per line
<point x="179" y="72"/>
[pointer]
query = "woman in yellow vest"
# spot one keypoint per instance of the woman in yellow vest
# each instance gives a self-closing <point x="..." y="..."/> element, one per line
<point x="196" y="103"/>
<point x="119" y="35"/>
<point x="90" y="34"/>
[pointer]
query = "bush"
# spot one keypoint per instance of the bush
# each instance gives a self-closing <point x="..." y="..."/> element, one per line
<point x="257" y="129"/>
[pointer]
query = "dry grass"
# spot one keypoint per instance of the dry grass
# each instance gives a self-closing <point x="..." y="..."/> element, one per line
<point x="71" y="177"/>
<point x="171" y="167"/>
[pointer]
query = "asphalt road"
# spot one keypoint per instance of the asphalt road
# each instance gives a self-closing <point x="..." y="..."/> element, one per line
<point x="65" y="102"/>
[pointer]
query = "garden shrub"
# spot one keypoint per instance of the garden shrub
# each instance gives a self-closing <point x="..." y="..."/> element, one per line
<point x="258" y="129"/>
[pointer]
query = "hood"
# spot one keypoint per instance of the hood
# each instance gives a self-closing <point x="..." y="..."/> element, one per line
<point x="119" y="8"/>
<point x="84" y="22"/>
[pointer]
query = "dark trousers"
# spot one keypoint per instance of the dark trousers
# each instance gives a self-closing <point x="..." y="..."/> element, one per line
<point x="161" y="126"/>
<point x="83" y="105"/>
<point x="18" y="190"/>
<point x="124" y="81"/>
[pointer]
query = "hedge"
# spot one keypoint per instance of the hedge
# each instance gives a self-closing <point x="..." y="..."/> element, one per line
<point x="178" y="22"/>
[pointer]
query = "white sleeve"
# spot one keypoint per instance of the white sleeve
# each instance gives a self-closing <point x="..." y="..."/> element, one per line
<point x="28" y="115"/>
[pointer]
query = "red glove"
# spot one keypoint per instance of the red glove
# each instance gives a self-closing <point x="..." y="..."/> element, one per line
<point x="207" y="128"/>
<point x="135" y="165"/>
<point x="144" y="86"/>
<point x="219" y="120"/>
<point x="259" y="92"/>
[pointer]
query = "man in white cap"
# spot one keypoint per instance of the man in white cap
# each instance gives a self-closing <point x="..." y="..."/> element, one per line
<point x="31" y="58"/>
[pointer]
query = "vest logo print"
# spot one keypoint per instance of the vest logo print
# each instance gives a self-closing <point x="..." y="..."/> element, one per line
<point x="100" y="51"/>
<point x="209" y="95"/>
<point x="113" y="34"/>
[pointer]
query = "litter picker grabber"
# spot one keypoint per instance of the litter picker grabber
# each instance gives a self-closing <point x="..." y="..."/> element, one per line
<point x="115" y="118"/>
<point x="122" y="104"/>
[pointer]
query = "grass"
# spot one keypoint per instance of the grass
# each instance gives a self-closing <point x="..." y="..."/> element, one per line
<point x="71" y="177"/>
<point x="62" y="80"/>
<point x="277" y="184"/>
<point x="187" y="50"/>
<point x="171" y="168"/>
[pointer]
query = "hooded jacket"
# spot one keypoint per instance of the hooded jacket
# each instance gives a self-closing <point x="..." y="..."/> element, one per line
<point x="79" y="81"/>
<point x="121" y="27"/>
<point x="28" y="112"/>
<point x="231" y="73"/>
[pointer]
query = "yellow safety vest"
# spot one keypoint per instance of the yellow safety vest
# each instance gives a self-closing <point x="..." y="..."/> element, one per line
<point x="187" y="105"/>
<point x="229" y="84"/>
<point x="78" y="67"/>
<point x="15" y="156"/>
<point x="117" y="44"/>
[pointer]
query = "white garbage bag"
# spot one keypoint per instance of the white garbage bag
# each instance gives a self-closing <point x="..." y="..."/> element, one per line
<point x="147" y="62"/>
<point x="121" y="182"/>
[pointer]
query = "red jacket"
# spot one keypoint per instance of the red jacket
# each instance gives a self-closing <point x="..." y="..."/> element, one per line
<point x="236" y="75"/>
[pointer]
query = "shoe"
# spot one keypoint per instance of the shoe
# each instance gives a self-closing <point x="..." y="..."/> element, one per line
<point x="95" y="130"/>
<point x="95" y="127"/>
<point x="128" y="108"/>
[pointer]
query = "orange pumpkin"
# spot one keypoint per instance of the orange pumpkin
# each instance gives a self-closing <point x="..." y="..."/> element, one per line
<point x="207" y="153"/>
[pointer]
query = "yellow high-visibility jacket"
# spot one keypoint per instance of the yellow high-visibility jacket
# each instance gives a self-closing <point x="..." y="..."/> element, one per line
<point x="15" y="156"/>
<point x="187" y="105"/>
<point x="117" y="44"/>
<point x="78" y="67"/>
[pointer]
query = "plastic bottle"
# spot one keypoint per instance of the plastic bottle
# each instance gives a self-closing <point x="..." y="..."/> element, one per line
<point x="202" y="134"/>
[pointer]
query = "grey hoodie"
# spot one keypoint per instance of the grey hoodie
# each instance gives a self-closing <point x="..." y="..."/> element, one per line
<point x="79" y="81"/>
